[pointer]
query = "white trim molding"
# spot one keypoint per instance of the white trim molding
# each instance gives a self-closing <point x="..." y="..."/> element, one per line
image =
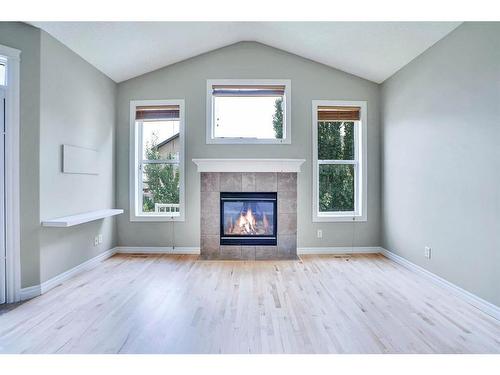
<point x="359" y="163"/>
<point x="338" y="250"/>
<point x="287" y="105"/>
<point x="472" y="299"/>
<point x="12" y="185"/>
<point x="36" y="290"/>
<point x="158" y="250"/>
<point x="249" y="165"/>
<point x="85" y="266"/>
<point x="30" y="292"/>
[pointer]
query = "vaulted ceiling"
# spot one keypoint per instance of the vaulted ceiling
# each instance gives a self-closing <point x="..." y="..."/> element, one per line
<point x="371" y="50"/>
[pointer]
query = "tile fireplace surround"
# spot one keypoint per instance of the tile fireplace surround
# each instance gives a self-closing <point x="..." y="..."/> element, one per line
<point x="285" y="184"/>
<point x="248" y="175"/>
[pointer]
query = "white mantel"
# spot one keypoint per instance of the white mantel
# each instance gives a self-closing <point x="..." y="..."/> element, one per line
<point x="249" y="165"/>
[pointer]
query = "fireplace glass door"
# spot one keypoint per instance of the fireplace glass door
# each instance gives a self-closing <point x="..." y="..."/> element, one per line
<point x="248" y="219"/>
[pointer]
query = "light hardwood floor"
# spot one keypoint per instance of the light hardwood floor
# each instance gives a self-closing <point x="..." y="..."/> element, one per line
<point x="178" y="304"/>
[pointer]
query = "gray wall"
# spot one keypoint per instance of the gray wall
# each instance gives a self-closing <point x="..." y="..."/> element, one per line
<point x="77" y="108"/>
<point x="441" y="159"/>
<point x="27" y="39"/>
<point x="187" y="80"/>
<point x="63" y="100"/>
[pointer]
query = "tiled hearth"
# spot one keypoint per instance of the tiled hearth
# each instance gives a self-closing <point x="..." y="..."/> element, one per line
<point x="285" y="184"/>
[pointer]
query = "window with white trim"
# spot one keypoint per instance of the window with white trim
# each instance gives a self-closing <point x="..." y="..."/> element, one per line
<point x="157" y="160"/>
<point x="248" y="111"/>
<point x="339" y="160"/>
<point x="3" y="71"/>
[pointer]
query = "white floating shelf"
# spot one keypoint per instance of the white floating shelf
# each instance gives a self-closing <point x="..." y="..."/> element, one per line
<point x="69" y="221"/>
<point x="248" y="165"/>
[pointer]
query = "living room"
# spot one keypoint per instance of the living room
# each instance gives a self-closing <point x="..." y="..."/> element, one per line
<point x="219" y="187"/>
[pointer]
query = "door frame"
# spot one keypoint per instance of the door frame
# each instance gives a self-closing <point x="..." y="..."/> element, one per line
<point x="12" y="185"/>
<point x="3" y="248"/>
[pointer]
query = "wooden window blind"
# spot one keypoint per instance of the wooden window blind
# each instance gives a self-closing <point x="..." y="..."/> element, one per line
<point x="248" y="90"/>
<point x="157" y="113"/>
<point x="338" y="113"/>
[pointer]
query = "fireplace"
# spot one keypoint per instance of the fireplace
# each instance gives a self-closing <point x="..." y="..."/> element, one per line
<point x="248" y="218"/>
<point x="272" y="193"/>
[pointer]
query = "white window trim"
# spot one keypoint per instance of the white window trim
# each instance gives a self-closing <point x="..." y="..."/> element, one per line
<point x="361" y="197"/>
<point x="210" y="139"/>
<point x="12" y="184"/>
<point x="134" y="160"/>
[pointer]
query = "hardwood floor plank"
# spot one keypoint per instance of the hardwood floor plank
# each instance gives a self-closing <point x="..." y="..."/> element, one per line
<point x="180" y="304"/>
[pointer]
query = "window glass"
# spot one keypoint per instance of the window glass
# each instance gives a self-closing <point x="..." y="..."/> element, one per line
<point x="160" y="189"/>
<point x="335" y="140"/>
<point x="336" y="187"/>
<point x="248" y="117"/>
<point x="160" y="140"/>
<point x="3" y="72"/>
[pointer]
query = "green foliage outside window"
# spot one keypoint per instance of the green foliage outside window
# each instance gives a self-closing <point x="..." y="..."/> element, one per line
<point x="162" y="180"/>
<point x="278" y="118"/>
<point x="336" y="181"/>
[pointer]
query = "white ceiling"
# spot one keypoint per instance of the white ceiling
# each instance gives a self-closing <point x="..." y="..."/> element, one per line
<point x="372" y="50"/>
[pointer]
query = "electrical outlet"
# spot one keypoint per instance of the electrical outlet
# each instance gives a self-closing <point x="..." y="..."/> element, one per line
<point x="96" y="241"/>
<point x="427" y="252"/>
<point x="100" y="238"/>
<point x="320" y="233"/>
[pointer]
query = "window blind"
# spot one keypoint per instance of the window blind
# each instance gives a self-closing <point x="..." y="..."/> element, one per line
<point x="338" y="113"/>
<point x="166" y="112"/>
<point x="248" y="90"/>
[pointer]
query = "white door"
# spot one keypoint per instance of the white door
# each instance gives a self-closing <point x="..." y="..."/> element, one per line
<point x="3" y="250"/>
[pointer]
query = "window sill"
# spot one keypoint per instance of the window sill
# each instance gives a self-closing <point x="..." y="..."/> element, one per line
<point x="247" y="141"/>
<point x="339" y="218"/>
<point x="156" y="218"/>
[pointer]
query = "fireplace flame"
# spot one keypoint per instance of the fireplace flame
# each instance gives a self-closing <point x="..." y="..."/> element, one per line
<point x="247" y="222"/>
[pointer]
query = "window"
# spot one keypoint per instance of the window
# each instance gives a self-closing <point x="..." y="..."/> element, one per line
<point x="339" y="160"/>
<point x="3" y="71"/>
<point x="248" y="111"/>
<point x="157" y="160"/>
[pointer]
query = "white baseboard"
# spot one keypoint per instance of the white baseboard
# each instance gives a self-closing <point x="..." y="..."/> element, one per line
<point x="30" y="292"/>
<point x="474" y="300"/>
<point x="338" y="250"/>
<point x="158" y="250"/>
<point x="36" y="290"/>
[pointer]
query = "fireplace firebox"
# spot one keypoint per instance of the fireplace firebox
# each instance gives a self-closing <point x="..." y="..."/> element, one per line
<point x="248" y="219"/>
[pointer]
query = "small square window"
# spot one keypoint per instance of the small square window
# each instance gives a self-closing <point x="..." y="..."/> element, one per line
<point x="248" y="111"/>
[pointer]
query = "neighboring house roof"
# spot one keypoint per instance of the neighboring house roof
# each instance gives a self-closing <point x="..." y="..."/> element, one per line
<point x="168" y="140"/>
